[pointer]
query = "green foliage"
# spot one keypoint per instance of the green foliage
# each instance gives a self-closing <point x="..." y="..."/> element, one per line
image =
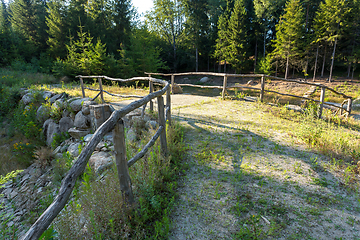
<point x="9" y="97"/>
<point x="85" y="58"/>
<point x="9" y="176"/>
<point x="59" y="138"/>
<point x="100" y="204"/>
<point x="265" y="65"/>
<point x="289" y="42"/>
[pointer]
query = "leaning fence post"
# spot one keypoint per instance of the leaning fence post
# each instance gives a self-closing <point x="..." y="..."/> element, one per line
<point x="262" y="88"/>
<point x="151" y="89"/>
<point x="160" y="102"/>
<point x="101" y="90"/>
<point x="322" y="97"/>
<point x="172" y="83"/>
<point x="224" y="87"/>
<point x="168" y="106"/>
<point x="348" y="107"/>
<point x="121" y="162"/>
<point x="82" y="87"/>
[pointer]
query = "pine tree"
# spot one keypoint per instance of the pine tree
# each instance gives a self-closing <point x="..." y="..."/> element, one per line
<point x="222" y="42"/>
<point x="4" y="16"/>
<point x="327" y="24"/>
<point x="57" y="28"/>
<point x="238" y="36"/>
<point x="289" y="35"/>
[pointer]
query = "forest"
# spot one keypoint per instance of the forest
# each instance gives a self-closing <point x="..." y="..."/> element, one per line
<point x="70" y="37"/>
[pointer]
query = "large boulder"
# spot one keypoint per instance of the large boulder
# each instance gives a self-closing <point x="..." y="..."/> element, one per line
<point x="47" y="95"/>
<point x="42" y="113"/>
<point x="77" y="133"/>
<point x="27" y="98"/>
<point x="356" y="104"/>
<point x="65" y="124"/>
<point x="86" y="107"/>
<point x="81" y="121"/>
<point x="76" y="103"/>
<point x="73" y="149"/>
<point x="57" y="97"/>
<point x="204" y="79"/>
<point x="100" y="161"/>
<point x="50" y="128"/>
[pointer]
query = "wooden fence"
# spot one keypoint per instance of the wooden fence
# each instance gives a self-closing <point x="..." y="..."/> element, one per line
<point x="114" y="122"/>
<point x="262" y="89"/>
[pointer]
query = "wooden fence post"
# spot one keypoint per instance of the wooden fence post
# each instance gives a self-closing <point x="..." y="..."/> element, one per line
<point x="172" y="83"/>
<point x="348" y="107"/>
<point x="121" y="162"/>
<point x="160" y="102"/>
<point x="151" y="87"/>
<point x="101" y="90"/>
<point x="168" y="105"/>
<point x="262" y="89"/>
<point x="322" y="97"/>
<point x="82" y="87"/>
<point x="224" y="87"/>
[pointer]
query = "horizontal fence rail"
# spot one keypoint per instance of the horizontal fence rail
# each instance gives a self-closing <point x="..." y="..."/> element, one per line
<point x="262" y="90"/>
<point x="114" y="122"/>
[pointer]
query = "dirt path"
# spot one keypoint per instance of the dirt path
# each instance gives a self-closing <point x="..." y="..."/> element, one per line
<point x="248" y="179"/>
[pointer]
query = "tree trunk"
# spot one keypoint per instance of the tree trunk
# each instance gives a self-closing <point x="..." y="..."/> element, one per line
<point x="276" y="68"/>
<point x="323" y="65"/>
<point x="197" y="60"/>
<point x="255" y="55"/>
<point x="353" y="70"/>
<point x="316" y="58"/>
<point x="332" y="60"/>
<point x="287" y="67"/>
<point x="264" y="41"/>
<point x="219" y="67"/>
<point x="349" y="69"/>
<point x="174" y="46"/>
<point x="225" y="66"/>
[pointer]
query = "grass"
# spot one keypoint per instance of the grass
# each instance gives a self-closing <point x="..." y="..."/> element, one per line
<point x="254" y="175"/>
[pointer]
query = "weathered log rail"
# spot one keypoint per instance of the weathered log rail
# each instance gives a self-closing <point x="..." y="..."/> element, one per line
<point x="262" y="89"/>
<point x="114" y="122"/>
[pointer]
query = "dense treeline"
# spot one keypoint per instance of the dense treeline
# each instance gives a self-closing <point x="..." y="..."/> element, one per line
<point x="69" y="37"/>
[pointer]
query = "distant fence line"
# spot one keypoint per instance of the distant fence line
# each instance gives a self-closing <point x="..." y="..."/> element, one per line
<point x="262" y="89"/>
<point x="114" y="122"/>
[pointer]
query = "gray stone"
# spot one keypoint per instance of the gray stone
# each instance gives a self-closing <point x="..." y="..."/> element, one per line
<point x="295" y="108"/>
<point x="73" y="149"/>
<point x="65" y="124"/>
<point x="42" y="113"/>
<point x="76" y="103"/>
<point x="88" y="137"/>
<point x="109" y="137"/>
<point x="86" y="107"/>
<point x="131" y="135"/>
<point x="356" y="104"/>
<point x="65" y="113"/>
<point x="27" y="98"/>
<point x="99" y="161"/>
<point x="100" y="146"/>
<point x="77" y="133"/>
<point x="99" y="114"/>
<point x="58" y="105"/>
<point x="55" y="97"/>
<point x="81" y="121"/>
<point x="47" y="95"/>
<point x="151" y="124"/>
<point x="50" y="128"/>
<point x="204" y="79"/>
<point x="57" y="150"/>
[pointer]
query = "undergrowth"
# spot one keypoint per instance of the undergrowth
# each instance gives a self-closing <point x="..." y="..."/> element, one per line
<point x="97" y="210"/>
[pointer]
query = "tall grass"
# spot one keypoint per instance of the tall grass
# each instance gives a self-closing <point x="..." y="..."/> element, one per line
<point x="97" y="210"/>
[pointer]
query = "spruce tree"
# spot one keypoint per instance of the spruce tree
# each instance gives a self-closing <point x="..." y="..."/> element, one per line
<point x="238" y="36"/>
<point x="327" y="24"/>
<point x="288" y="44"/>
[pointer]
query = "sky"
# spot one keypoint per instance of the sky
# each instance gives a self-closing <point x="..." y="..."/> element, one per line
<point x="142" y="5"/>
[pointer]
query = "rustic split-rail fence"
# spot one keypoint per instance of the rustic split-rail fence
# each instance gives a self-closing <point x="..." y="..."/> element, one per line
<point x="263" y="77"/>
<point x="115" y="123"/>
